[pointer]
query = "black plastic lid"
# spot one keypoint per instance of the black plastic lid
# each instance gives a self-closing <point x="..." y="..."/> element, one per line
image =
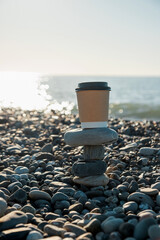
<point x="93" y="86"/>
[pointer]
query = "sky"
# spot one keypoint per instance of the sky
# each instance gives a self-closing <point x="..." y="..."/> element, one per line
<point x="80" y="37"/>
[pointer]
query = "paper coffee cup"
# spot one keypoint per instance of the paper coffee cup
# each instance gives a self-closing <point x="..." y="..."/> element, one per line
<point x="93" y="104"/>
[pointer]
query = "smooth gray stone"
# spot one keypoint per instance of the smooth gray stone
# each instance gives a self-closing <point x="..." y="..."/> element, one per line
<point x="130" y="206"/>
<point x="28" y="209"/>
<point x="94" y="152"/>
<point x="74" y="228"/>
<point x="21" y="170"/>
<point x="69" y="191"/>
<point x="19" y="196"/>
<point x="148" y="151"/>
<point x="12" y="219"/>
<point x="111" y="224"/>
<point x="91" y="168"/>
<point x="149" y="191"/>
<point x="3" y="206"/>
<point x="93" y="181"/>
<point x="154" y="232"/>
<point x="141" y="229"/>
<point x="54" y="230"/>
<point x="129" y="147"/>
<point x="93" y="226"/>
<point x="139" y="197"/>
<point x="47" y="148"/>
<point x="61" y="204"/>
<point x="145" y="213"/>
<point x="92" y="136"/>
<point x="17" y="233"/>
<point x="78" y="207"/>
<point x="38" y="194"/>
<point x="59" y="196"/>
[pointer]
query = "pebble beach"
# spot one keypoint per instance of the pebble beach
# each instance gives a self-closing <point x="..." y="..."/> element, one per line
<point x="39" y="200"/>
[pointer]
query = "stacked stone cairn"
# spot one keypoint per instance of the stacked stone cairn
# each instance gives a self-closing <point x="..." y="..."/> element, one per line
<point x="90" y="171"/>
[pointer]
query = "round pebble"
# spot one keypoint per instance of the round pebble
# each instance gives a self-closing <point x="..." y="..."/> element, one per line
<point x="111" y="224"/>
<point x="141" y="229"/>
<point x="3" y="206"/>
<point x="34" y="235"/>
<point x="130" y="206"/>
<point x="28" y="209"/>
<point x="21" y="170"/>
<point x="154" y="232"/>
<point x="37" y="194"/>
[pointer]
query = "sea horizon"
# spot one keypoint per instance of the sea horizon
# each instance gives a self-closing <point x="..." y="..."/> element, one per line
<point x="132" y="97"/>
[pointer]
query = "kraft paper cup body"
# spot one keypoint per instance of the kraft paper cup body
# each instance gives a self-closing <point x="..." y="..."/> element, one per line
<point x="93" y="107"/>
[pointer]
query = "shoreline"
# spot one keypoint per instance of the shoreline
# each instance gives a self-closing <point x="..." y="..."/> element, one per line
<point x="38" y="196"/>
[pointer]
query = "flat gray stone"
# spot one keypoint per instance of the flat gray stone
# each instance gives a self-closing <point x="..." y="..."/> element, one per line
<point x="149" y="191"/>
<point x="139" y="197"/>
<point x="38" y="194"/>
<point x="59" y="196"/>
<point x="148" y="151"/>
<point x="74" y="228"/>
<point x="15" y="233"/>
<point x="146" y="213"/>
<point x="12" y="219"/>
<point x="93" y="181"/>
<point x="54" y="230"/>
<point x="19" y="196"/>
<point x="58" y="184"/>
<point x="94" y="152"/>
<point x="91" y="168"/>
<point x="92" y="136"/>
<point x="129" y="147"/>
<point x="69" y="191"/>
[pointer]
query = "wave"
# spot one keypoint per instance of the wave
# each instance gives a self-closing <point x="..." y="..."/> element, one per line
<point x="135" y="111"/>
<point x="131" y="111"/>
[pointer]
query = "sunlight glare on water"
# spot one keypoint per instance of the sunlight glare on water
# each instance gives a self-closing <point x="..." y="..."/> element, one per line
<point x="22" y="90"/>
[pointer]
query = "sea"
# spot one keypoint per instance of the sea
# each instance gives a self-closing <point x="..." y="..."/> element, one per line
<point x="132" y="98"/>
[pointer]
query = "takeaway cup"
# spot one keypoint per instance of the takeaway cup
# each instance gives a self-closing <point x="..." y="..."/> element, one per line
<point x="93" y="104"/>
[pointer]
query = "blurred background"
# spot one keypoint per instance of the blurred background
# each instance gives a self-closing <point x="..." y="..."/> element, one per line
<point x="48" y="46"/>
